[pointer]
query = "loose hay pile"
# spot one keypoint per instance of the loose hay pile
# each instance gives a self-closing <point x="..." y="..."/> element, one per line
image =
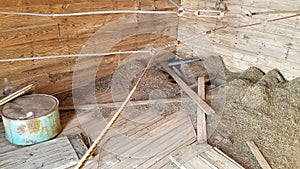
<point x="266" y="109"/>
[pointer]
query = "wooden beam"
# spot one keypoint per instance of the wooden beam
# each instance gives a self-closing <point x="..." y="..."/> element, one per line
<point x="258" y="155"/>
<point x="206" y="80"/>
<point x="201" y="104"/>
<point x="131" y="103"/>
<point x="201" y="117"/>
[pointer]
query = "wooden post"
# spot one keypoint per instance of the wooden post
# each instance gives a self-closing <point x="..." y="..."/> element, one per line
<point x="258" y="155"/>
<point x="201" y="117"/>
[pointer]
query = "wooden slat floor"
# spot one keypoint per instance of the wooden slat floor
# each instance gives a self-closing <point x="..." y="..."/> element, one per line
<point x="202" y="156"/>
<point x="149" y="136"/>
<point x="137" y="143"/>
<point x="47" y="155"/>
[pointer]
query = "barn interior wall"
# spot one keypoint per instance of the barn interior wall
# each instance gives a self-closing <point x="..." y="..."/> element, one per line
<point x="31" y="36"/>
<point x="261" y="33"/>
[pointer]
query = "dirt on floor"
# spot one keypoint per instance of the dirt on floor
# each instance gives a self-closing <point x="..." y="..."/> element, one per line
<point x="251" y="105"/>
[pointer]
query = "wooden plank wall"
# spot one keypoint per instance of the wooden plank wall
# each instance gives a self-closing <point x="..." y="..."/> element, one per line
<point x="273" y="43"/>
<point x="31" y="36"/>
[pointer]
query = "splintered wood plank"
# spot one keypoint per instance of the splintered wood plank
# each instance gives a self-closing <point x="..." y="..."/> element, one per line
<point x="183" y="155"/>
<point x="47" y="155"/>
<point x="258" y="155"/>
<point x="201" y="117"/>
<point x="219" y="160"/>
<point x="197" y="163"/>
<point x="169" y="165"/>
<point x="203" y="156"/>
<point x="230" y="159"/>
<point x="201" y="104"/>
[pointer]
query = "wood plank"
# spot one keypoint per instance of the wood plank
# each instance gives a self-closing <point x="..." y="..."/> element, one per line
<point x="67" y="35"/>
<point x="201" y="104"/>
<point x="169" y="165"/>
<point x="196" y="155"/>
<point x="258" y="155"/>
<point x="201" y="118"/>
<point x="196" y="163"/>
<point x="219" y="160"/>
<point x="32" y="34"/>
<point x="78" y="144"/>
<point x="188" y="152"/>
<point x="109" y="160"/>
<point x="47" y="155"/>
<point x="131" y="103"/>
<point x="275" y="42"/>
<point x="230" y="159"/>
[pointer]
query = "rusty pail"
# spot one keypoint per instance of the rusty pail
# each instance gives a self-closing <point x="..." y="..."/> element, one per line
<point x="31" y="119"/>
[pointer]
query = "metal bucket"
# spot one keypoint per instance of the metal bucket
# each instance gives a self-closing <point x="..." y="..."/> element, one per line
<point x="31" y="119"/>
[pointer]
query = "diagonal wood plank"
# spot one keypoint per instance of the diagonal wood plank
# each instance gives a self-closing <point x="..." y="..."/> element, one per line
<point x="201" y="104"/>
<point x="258" y="155"/>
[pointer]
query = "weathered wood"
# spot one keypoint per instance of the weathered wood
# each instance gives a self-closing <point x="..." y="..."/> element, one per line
<point x="131" y="103"/>
<point x="258" y="155"/>
<point x="47" y="155"/>
<point x="271" y="39"/>
<point x="201" y="118"/>
<point x="201" y="104"/>
<point x="219" y="160"/>
<point x="29" y="36"/>
<point x="78" y="145"/>
<point x="223" y="154"/>
<point x="196" y="155"/>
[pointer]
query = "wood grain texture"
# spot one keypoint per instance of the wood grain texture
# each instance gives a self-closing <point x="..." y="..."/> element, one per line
<point x="115" y="149"/>
<point x="30" y="36"/>
<point x="271" y="40"/>
<point x="201" y="104"/>
<point x="196" y="156"/>
<point x="201" y="117"/>
<point x="47" y="155"/>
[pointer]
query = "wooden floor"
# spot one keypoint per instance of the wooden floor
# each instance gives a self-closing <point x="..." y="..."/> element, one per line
<point x="133" y="142"/>
<point x="204" y="155"/>
<point x="47" y="155"/>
